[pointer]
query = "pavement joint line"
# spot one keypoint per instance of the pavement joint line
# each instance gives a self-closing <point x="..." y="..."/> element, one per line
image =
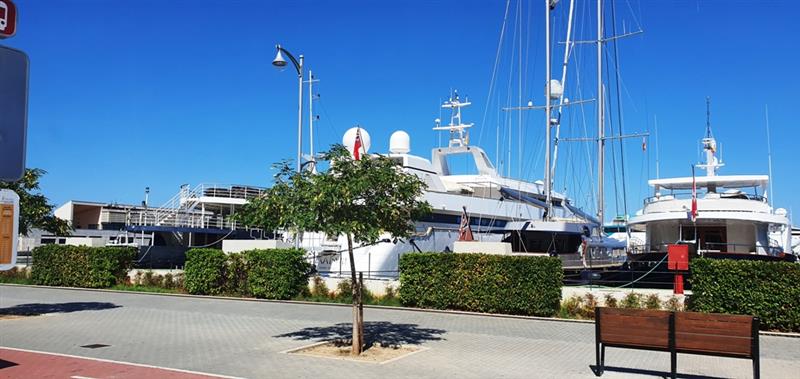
<point x="122" y="363"/>
<point x="384" y="307"/>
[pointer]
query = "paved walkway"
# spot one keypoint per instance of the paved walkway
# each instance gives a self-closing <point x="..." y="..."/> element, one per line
<point x="246" y="339"/>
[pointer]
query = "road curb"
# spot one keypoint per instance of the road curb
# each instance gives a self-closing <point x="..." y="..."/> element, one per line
<point x="384" y="307"/>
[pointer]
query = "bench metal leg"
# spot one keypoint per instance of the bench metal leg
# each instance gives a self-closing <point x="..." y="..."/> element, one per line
<point x="600" y="353"/>
<point x="673" y="364"/>
<point x="756" y="368"/>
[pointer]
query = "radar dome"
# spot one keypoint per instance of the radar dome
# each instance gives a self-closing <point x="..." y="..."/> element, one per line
<point x="556" y="89"/>
<point x="399" y="143"/>
<point x="349" y="139"/>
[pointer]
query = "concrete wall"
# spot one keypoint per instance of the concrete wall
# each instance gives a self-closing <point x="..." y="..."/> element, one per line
<point x="237" y="246"/>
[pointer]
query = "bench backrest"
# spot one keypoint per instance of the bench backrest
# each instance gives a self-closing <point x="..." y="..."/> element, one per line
<point x="711" y="333"/>
<point x="633" y="327"/>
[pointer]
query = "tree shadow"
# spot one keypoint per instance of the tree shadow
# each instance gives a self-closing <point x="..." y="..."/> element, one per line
<point x="380" y="332"/>
<point x="35" y="309"/>
<point x="663" y="374"/>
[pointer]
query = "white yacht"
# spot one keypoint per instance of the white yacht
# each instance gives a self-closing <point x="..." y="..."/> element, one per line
<point x="733" y="217"/>
<point x="500" y="209"/>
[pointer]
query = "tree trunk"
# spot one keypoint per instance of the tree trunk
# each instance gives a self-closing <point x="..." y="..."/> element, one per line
<point x="356" y="286"/>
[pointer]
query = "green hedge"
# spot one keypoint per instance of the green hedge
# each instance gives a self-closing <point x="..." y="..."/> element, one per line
<point x="768" y="290"/>
<point x="204" y="271"/>
<point x="482" y="283"/>
<point x="81" y="266"/>
<point x="271" y="274"/>
<point x="276" y="274"/>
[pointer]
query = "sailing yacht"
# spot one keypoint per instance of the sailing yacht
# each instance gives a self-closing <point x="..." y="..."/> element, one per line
<point x="718" y="216"/>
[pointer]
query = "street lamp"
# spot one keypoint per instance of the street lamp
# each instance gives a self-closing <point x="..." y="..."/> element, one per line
<point x="280" y="62"/>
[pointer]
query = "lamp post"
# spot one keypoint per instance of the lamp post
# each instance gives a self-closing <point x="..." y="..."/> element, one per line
<point x="280" y="62"/>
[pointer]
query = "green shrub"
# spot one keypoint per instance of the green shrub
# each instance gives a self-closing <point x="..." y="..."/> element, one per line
<point x="483" y="283"/>
<point x="81" y="266"/>
<point x="169" y="281"/>
<point x="236" y="275"/>
<point x="767" y="290"/>
<point x="204" y="271"/>
<point x="610" y="301"/>
<point x="652" y="302"/>
<point x="277" y="273"/>
<point x="319" y="288"/>
<point x="344" y="292"/>
<point x="673" y="304"/>
<point x="589" y="304"/>
<point x="571" y="307"/>
<point x="631" y="300"/>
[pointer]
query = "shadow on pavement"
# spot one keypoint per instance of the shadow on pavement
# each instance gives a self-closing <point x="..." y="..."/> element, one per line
<point x="36" y="309"/>
<point x="374" y="331"/>
<point x="663" y="374"/>
<point x="4" y="364"/>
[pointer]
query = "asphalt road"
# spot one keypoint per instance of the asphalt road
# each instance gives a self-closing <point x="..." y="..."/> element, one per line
<point x="248" y="339"/>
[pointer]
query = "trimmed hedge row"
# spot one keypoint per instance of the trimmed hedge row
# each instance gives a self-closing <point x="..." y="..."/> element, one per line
<point x="768" y="290"/>
<point x="81" y="266"/>
<point x="271" y="274"/>
<point x="482" y="283"/>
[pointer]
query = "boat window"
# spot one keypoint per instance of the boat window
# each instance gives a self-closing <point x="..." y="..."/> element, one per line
<point x="461" y="164"/>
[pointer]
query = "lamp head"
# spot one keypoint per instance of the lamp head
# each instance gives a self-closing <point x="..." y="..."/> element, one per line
<point x="279" y="61"/>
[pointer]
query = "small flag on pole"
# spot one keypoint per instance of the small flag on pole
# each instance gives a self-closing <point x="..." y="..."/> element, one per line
<point x="357" y="145"/>
<point x="694" y="197"/>
<point x="465" y="230"/>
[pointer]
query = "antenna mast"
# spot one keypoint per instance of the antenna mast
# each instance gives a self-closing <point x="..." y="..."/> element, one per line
<point x="601" y="141"/>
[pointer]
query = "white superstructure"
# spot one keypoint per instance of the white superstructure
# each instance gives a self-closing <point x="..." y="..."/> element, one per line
<point x="733" y="214"/>
<point x="500" y="210"/>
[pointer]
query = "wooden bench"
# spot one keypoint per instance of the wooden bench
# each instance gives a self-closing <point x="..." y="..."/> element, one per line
<point x="723" y="335"/>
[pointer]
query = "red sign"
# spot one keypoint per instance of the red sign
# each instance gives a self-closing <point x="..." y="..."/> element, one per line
<point x="8" y="19"/>
<point x="678" y="257"/>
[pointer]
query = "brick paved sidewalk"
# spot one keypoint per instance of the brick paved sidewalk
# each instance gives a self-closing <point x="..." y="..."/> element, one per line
<point x="247" y="339"/>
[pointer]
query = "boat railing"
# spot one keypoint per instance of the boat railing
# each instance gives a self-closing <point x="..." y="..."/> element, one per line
<point x="688" y="195"/>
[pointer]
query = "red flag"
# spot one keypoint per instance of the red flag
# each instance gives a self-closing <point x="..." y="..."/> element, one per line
<point x="357" y="145"/>
<point x="465" y="230"/>
<point x="694" y="197"/>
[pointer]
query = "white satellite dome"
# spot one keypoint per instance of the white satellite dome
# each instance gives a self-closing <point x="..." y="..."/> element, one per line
<point x="349" y="139"/>
<point x="399" y="143"/>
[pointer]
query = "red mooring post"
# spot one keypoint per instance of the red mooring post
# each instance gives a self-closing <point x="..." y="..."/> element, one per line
<point x="678" y="261"/>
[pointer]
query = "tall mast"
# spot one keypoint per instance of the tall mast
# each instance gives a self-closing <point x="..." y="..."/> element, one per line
<point x="311" y="120"/>
<point x="547" y="109"/>
<point x="600" y="128"/>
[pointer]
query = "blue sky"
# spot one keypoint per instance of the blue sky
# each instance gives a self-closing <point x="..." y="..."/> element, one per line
<point x="126" y="95"/>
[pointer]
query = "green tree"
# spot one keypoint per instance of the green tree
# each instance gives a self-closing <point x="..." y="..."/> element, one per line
<point x="35" y="211"/>
<point x="360" y="199"/>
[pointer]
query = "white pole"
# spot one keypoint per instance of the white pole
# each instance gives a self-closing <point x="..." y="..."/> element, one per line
<point x="310" y="116"/>
<point x="600" y="103"/>
<point x="658" y="174"/>
<point x="769" y="160"/>
<point x="567" y="49"/>
<point x="547" y="106"/>
<point x="300" y="115"/>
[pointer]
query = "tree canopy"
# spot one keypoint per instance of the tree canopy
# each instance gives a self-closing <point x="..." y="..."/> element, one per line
<point x="35" y="211"/>
<point x="362" y="198"/>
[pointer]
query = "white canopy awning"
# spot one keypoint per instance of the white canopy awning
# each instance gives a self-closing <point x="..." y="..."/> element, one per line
<point x="727" y="181"/>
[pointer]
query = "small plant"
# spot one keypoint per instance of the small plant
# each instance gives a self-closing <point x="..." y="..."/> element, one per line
<point x="652" y="302"/>
<point x="587" y="308"/>
<point x="673" y="304"/>
<point x="137" y="279"/>
<point x="390" y="293"/>
<point x="571" y="308"/>
<point x="319" y="288"/>
<point x="169" y="281"/>
<point x="610" y="301"/>
<point x="178" y="281"/>
<point x="631" y="300"/>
